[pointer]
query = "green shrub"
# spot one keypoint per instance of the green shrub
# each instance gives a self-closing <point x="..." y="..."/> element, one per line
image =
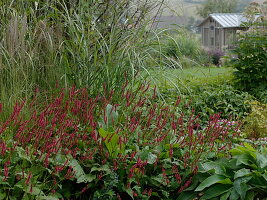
<point x="222" y="99"/>
<point x="260" y="93"/>
<point x="255" y="124"/>
<point x="251" y="51"/>
<point x="251" y="62"/>
<point x="208" y="99"/>
<point x="244" y="176"/>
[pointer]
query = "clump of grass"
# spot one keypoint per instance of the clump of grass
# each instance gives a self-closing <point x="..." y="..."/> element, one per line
<point x="186" y="47"/>
<point x="50" y="43"/>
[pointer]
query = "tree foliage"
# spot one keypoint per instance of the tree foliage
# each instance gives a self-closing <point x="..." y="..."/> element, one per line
<point x="216" y="6"/>
<point x="252" y="50"/>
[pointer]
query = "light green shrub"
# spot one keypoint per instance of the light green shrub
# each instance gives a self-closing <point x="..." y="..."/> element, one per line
<point x="255" y="124"/>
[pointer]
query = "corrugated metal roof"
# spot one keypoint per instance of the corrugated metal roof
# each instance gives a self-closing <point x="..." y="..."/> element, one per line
<point x="228" y="20"/>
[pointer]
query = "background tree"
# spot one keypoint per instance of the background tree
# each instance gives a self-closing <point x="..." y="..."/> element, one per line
<point x="216" y="6"/>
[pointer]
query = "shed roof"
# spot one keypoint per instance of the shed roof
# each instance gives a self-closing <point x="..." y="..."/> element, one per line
<point x="227" y="20"/>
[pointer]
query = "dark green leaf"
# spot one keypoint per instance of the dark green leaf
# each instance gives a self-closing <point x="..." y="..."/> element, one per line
<point x="187" y="196"/>
<point x="241" y="173"/>
<point x="250" y="195"/>
<point x="225" y="196"/>
<point x="215" y="191"/>
<point x="241" y="187"/>
<point x="262" y="160"/>
<point x="234" y="195"/>
<point x="210" y="181"/>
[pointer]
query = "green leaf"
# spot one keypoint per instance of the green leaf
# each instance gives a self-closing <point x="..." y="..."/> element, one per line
<point x="265" y="176"/>
<point x="225" y="196"/>
<point x="210" y="181"/>
<point x="249" y="147"/>
<point x="226" y="181"/>
<point x="86" y="178"/>
<point x="187" y="196"/>
<point x="212" y="165"/>
<point x="103" y="133"/>
<point x="129" y="191"/>
<point x="2" y="195"/>
<point x="79" y="173"/>
<point x="262" y="160"/>
<point x="234" y="195"/>
<point x="250" y="195"/>
<point x="60" y="159"/>
<point x="244" y="159"/>
<point x="77" y="168"/>
<point x="35" y="191"/>
<point x="215" y="191"/>
<point x="104" y="168"/>
<point x="151" y="158"/>
<point x="111" y="142"/>
<point x="22" y="154"/>
<point x="242" y="172"/>
<point x="241" y="187"/>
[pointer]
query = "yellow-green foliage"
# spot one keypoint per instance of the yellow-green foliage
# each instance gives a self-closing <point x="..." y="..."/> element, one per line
<point x="255" y="124"/>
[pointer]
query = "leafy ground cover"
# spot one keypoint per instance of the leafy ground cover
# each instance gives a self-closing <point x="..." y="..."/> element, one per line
<point x="206" y="90"/>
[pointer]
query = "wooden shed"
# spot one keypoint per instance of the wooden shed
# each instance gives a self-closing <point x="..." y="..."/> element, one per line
<point x="219" y="30"/>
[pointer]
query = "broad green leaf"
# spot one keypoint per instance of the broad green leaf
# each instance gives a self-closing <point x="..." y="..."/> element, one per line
<point x="242" y="172"/>
<point x="262" y="160"/>
<point x="210" y="181"/>
<point x="241" y="187"/>
<point x="151" y="158"/>
<point x="225" y="196"/>
<point x="212" y="165"/>
<point x="79" y="173"/>
<point x="111" y="142"/>
<point x="77" y="168"/>
<point x="249" y="147"/>
<point x="215" y="191"/>
<point x="247" y="150"/>
<point x="226" y="181"/>
<point x="86" y="178"/>
<point x="187" y="196"/>
<point x="104" y="168"/>
<point x="234" y="195"/>
<point x="244" y="159"/>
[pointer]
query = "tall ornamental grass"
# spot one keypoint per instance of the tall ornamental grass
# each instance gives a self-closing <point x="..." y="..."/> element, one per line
<point x="81" y="43"/>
